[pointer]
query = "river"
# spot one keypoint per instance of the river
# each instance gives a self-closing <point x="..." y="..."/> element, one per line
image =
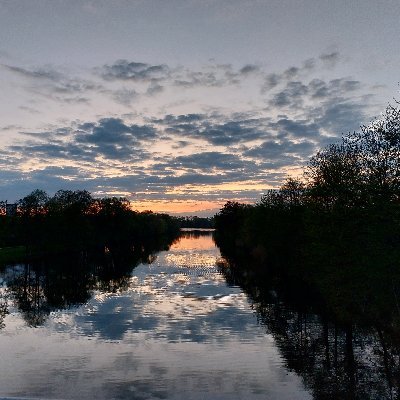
<point x="173" y="329"/>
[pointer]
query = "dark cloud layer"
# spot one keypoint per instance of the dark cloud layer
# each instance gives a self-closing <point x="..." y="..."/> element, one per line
<point x="109" y="137"/>
<point x="214" y="129"/>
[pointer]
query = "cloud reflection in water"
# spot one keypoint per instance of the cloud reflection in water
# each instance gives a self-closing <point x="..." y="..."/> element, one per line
<point x="178" y="331"/>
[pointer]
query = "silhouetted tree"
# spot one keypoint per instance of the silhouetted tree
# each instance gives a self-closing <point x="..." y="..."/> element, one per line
<point x="33" y="204"/>
<point x="338" y="231"/>
<point x="334" y="177"/>
<point x="378" y="148"/>
<point x="31" y="213"/>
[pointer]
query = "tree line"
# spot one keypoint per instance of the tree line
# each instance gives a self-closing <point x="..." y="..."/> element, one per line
<point x="76" y="220"/>
<point x="195" y="222"/>
<point x="335" y="229"/>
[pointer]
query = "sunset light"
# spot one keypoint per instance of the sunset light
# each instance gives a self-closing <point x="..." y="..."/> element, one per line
<point x="148" y="111"/>
<point x="199" y="199"/>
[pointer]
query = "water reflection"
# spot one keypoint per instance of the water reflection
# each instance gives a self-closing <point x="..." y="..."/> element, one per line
<point x="56" y="283"/>
<point x="352" y="361"/>
<point x="180" y="325"/>
<point x="169" y="329"/>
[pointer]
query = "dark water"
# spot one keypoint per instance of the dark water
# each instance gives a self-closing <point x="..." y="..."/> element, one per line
<point x="179" y="327"/>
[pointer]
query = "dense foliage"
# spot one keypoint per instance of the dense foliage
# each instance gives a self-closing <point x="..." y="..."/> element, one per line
<point x="335" y="230"/>
<point x="76" y="220"/>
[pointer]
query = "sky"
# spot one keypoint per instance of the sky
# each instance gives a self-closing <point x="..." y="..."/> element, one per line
<point x="181" y="105"/>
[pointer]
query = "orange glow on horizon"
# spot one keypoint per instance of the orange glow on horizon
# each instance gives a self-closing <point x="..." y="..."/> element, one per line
<point x="227" y="186"/>
<point x="194" y="206"/>
<point x="176" y="206"/>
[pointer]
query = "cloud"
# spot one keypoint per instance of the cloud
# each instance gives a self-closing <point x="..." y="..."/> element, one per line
<point x="187" y="178"/>
<point x="39" y="73"/>
<point x="292" y="95"/>
<point x="61" y="83"/>
<point x="162" y="154"/>
<point x="109" y="137"/>
<point x="114" y="130"/>
<point x="330" y="59"/>
<point x="297" y="128"/>
<point x="290" y="76"/>
<point x="135" y="71"/>
<point x="320" y="89"/>
<point x="17" y="184"/>
<point x="249" y="69"/>
<point x="48" y="151"/>
<point x="231" y="132"/>
<point x="238" y="147"/>
<point x="301" y="72"/>
<point x="160" y="75"/>
<point x="282" y="152"/>
<point x="271" y="81"/>
<point x="206" y="161"/>
<point x="49" y="135"/>
<point x="96" y="144"/>
<point x="10" y="128"/>
<point x="200" y="78"/>
<point x="316" y="107"/>
<point x="340" y="116"/>
<point x="287" y="88"/>
<point x="125" y="96"/>
<point x="53" y="84"/>
<point x="213" y="75"/>
<point x="154" y="89"/>
<point x="215" y="129"/>
<point x="179" y="119"/>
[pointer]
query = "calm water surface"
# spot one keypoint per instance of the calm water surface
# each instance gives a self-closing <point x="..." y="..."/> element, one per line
<point x="175" y="331"/>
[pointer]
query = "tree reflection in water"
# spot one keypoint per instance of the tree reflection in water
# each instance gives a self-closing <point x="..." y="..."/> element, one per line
<point x="3" y="307"/>
<point x="336" y="361"/>
<point x="67" y="280"/>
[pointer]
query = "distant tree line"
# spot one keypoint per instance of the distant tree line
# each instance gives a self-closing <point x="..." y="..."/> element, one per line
<point x="335" y="229"/>
<point x="76" y="220"/>
<point x="196" y="222"/>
